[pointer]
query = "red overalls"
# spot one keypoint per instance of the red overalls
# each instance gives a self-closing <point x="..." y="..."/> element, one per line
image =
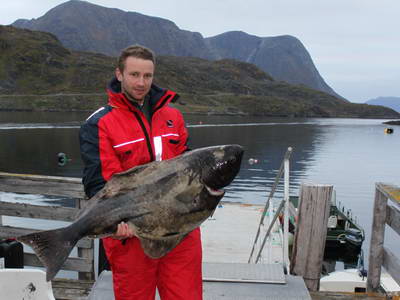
<point x="119" y="137"/>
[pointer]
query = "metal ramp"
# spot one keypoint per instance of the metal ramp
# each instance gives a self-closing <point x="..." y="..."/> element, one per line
<point x="294" y="289"/>
<point x="242" y="272"/>
<point x="233" y="281"/>
<point x="241" y="281"/>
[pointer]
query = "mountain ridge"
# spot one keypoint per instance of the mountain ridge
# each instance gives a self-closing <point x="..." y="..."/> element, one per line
<point x="265" y="51"/>
<point x="38" y="73"/>
<point x="391" y="102"/>
<point x="84" y="26"/>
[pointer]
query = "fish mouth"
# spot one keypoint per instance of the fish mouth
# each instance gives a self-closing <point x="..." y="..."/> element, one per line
<point x="215" y="192"/>
<point x="222" y="168"/>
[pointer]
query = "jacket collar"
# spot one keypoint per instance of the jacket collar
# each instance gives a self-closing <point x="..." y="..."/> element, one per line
<point x="158" y="97"/>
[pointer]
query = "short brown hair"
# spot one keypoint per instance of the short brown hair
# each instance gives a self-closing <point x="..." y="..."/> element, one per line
<point x="137" y="51"/>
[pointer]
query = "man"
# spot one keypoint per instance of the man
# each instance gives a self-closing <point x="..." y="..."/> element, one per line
<point x="136" y="127"/>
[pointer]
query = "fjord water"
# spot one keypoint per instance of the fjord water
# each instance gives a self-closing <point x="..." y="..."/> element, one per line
<point x="350" y="154"/>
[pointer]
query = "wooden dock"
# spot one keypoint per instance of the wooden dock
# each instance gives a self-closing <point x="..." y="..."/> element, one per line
<point x="229" y="250"/>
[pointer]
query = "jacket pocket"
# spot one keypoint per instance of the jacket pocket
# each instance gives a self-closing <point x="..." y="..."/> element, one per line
<point x="126" y="150"/>
<point x="174" y="142"/>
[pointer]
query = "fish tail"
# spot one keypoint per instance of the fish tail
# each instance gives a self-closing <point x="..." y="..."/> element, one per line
<point x="52" y="247"/>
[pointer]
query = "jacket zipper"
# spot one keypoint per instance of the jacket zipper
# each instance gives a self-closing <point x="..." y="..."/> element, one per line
<point x="140" y="120"/>
<point x="146" y="134"/>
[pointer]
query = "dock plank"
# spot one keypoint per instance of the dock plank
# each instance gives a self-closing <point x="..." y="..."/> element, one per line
<point x="13" y="232"/>
<point x="346" y="296"/>
<point x="71" y="289"/>
<point x="40" y="184"/>
<point x="71" y="264"/>
<point x="24" y="210"/>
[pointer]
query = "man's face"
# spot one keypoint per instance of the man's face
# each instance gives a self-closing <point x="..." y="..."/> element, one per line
<point x="137" y="77"/>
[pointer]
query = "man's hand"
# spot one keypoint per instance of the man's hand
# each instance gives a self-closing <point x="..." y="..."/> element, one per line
<point x="123" y="232"/>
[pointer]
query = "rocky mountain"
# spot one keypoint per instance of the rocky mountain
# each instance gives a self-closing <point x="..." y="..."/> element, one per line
<point x="83" y="26"/>
<point x="38" y="73"/>
<point x="391" y="102"/>
<point x="284" y="57"/>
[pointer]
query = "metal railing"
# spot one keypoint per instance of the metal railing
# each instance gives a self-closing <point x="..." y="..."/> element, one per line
<point x="284" y="205"/>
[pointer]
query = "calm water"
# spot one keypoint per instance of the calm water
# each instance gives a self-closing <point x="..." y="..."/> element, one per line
<point x="350" y="154"/>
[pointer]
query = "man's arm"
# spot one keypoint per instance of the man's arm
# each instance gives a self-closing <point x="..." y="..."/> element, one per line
<point x="99" y="158"/>
<point x="100" y="164"/>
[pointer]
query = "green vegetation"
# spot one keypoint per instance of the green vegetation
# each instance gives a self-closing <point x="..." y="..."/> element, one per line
<point x="38" y="73"/>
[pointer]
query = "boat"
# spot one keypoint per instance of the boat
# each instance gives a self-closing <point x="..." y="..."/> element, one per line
<point x="354" y="281"/>
<point x="344" y="234"/>
<point x="25" y="284"/>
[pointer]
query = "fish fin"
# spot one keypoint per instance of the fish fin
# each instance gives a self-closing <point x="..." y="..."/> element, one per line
<point x="52" y="247"/>
<point x="159" y="248"/>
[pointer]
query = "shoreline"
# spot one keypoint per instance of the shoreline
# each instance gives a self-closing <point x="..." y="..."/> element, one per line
<point x="89" y="102"/>
<point x="202" y="113"/>
<point x="394" y="122"/>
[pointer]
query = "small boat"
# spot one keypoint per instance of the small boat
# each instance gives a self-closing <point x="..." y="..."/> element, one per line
<point x="344" y="234"/>
<point x="353" y="281"/>
<point x="25" y="284"/>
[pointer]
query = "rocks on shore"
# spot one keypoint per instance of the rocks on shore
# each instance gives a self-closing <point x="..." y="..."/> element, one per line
<point x="396" y="122"/>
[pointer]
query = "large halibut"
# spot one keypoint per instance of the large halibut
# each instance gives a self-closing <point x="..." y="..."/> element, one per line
<point x="161" y="201"/>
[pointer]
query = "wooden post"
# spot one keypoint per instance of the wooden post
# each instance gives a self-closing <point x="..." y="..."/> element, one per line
<point x="377" y="238"/>
<point x="311" y="230"/>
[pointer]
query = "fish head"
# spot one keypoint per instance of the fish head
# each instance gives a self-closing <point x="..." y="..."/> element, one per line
<point x="219" y="166"/>
<point x="213" y="168"/>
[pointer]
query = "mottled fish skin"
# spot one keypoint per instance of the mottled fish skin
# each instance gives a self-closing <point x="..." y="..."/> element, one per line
<point x="161" y="201"/>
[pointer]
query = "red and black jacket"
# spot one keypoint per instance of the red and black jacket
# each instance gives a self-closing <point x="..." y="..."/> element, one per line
<point x="118" y="136"/>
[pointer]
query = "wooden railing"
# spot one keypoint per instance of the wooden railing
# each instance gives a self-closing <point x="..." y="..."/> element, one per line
<point x="53" y="186"/>
<point x="385" y="212"/>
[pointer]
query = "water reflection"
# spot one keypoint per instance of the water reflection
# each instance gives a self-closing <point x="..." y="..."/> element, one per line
<point x="351" y="154"/>
<point x="267" y="143"/>
<point x="32" y="147"/>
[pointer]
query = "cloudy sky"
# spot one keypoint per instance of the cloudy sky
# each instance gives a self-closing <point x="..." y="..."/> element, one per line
<point x="355" y="44"/>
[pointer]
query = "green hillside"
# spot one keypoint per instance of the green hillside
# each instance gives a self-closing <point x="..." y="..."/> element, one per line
<point x="38" y="73"/>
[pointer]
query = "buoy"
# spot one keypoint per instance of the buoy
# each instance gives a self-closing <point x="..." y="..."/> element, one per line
<point x="62" y="159"/>
<point x="253" y="161"/>
<point x="388" y="130"/>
